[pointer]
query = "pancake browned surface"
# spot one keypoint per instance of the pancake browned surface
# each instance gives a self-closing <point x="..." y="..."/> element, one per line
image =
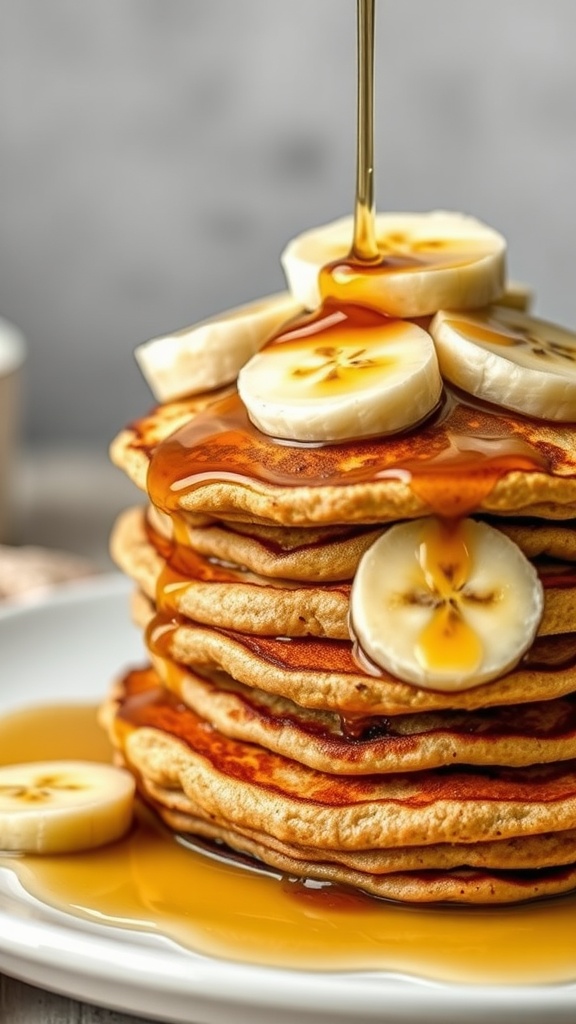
<point x="230" y="468"/>
<point x="194" y="783"/>
<point x="522" y="734"/>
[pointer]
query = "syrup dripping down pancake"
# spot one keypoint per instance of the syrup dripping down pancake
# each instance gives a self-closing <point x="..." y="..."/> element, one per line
<point x="218" y="466"/>
<point x="521" y="734"/>
<point x="190" y="585"/>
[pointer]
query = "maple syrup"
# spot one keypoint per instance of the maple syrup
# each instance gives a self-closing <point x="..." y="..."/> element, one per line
<point x="447" y="642"/>
<point x="351" y="279"/>
<point x="452" y="462"/>
<point x="150" y="882"/>
<point x="364" y="247"/>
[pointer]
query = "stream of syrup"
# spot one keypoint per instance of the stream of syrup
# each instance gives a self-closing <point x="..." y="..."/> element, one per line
<point x="364" y="247"/>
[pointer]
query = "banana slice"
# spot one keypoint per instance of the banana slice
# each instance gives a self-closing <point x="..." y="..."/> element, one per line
<point x="517" y="295"/>
<point x="430" y="261"/>
<point x="445" y="606"/>
<point x="511" y="359"/>
<point x="209" y="354"/>
<point x="63" y="806"/>
<point x="344" y="380"/>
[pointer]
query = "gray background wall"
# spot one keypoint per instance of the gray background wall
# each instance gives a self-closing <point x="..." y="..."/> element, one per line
<point x="155" y="156"/>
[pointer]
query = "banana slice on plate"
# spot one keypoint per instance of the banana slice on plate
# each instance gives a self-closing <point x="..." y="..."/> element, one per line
<point x="63" y="806"/>
<point x="342" y="379"/>
<point x="429" y="261"/>
<point x="509" y="358"/>
<point x="210" y="353"/>
<point x="445" y="606"/>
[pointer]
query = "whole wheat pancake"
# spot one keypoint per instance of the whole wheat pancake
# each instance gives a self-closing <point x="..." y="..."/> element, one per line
<point x="518" y="735"/>
<point x="250" y="787"/>
<point x="228" y="597"/>
<point x="332" y="553"/>
<point x="424" y="885"/>
<point x="231" y="598"/>
<point x="537" y="538"/>
<point x="325" y="554"/>
<point x="323" y="674"/>
<point x="218" y="465"/>
<point x="551" y="849"/>
<point x="183" y="814"/>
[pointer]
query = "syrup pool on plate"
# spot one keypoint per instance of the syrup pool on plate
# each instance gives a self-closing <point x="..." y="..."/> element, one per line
<point x="149" y="881"/>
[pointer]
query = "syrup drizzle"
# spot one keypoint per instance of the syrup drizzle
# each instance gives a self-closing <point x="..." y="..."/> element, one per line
<point x="448" y="641"/>
<point x="364" y="247"/>
<point x="451" y="463"/>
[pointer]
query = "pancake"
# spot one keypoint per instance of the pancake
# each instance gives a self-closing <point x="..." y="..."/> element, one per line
<point x="330" y="553"/>
<point x="551" y="849"/>
<point x="229" y="597"/>
<point x="324" y="674"/>
<point x="518" y="735"/>
<point x="236" y="599"/>
<point x="325" y="554"/>
<point x="512" y="465"/>
<point x="424" y="885"/>
<point x="250" y="787"/>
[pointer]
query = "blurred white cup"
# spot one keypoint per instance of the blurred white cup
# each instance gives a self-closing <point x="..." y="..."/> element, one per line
<point x="12" y="355"/>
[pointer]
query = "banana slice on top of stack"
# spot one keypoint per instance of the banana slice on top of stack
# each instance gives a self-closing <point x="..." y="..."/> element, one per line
<point x="428" y="261"/>
<point x="331" y="380"/>
<point x="511" y="359"/>
<point x="404" y="433"/>
<point x="210" y="354"/>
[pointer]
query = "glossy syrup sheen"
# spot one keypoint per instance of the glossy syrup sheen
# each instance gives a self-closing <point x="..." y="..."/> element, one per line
<point x="150" y="882"/>
<point x="452" y="462"/>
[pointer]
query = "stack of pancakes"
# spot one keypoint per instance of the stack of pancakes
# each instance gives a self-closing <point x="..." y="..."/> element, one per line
<point x="259" y="725"/>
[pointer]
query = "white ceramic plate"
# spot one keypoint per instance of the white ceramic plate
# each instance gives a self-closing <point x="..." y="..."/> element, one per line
<point x="41" y="646"/>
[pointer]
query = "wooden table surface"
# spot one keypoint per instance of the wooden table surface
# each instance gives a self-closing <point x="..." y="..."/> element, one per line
<point x="24" y="1004"/>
